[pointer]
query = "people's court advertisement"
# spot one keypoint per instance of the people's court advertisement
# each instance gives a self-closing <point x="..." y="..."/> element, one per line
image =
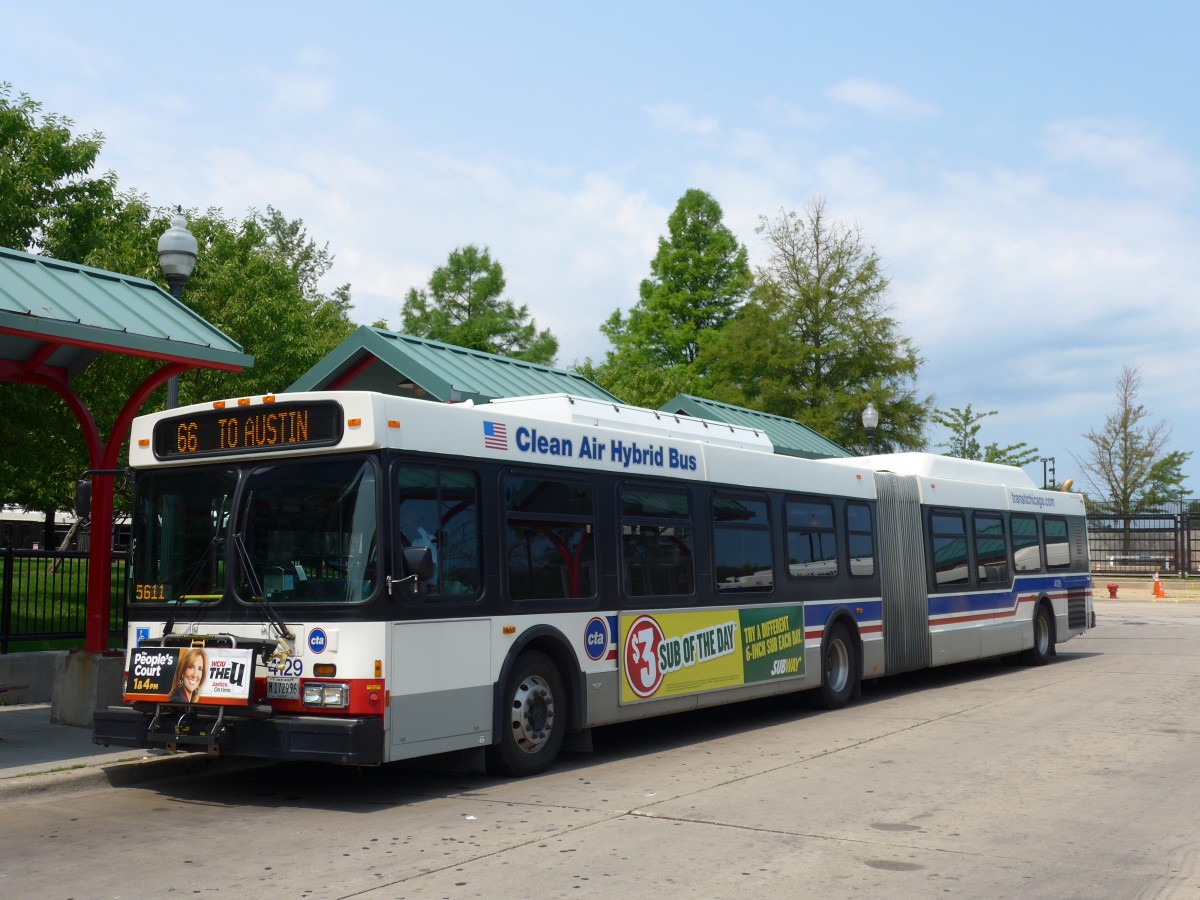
<point x="206" y="676"/>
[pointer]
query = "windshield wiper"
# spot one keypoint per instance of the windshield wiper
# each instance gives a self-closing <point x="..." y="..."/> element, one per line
<point x="256" y="588"/>
<point x="207" y="559"/>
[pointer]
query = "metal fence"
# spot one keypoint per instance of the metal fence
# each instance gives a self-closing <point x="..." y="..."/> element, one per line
<point x="43" y="598"/>
<point x="1168" y="543"/>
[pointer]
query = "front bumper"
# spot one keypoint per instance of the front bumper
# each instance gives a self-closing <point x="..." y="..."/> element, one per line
<point x="258" y="734"/>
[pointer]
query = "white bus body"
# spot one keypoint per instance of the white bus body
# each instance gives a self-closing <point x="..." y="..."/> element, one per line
<point x="497" y="576"/>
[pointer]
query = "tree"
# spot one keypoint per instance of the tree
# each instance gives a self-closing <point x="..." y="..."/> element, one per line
<point x="1127" y="461"/>
<point x="644" y="386"/>
<point x="45" y="182"/>
<point x="698" y="279"/>
<point x="815" y="342"/>
<point x="44" y="176"/>
<point x="964" y="425"/>
<point x="463" y="307"/>
<point x="257" y="280"/>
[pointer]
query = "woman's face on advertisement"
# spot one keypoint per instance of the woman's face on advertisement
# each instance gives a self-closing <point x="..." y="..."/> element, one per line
<point x="193" y="673"/>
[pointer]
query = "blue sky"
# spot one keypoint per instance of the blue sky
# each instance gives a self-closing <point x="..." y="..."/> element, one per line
<point x="1027" y="172"/>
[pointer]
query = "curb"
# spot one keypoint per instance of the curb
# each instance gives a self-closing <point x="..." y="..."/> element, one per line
<point x="123" y="773"/>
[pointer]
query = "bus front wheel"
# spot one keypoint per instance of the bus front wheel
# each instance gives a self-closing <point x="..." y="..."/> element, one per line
<point x="534" y="718"/>
<point x="839" y="669"/>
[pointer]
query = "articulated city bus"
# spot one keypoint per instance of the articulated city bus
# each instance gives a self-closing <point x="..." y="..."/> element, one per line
<point x="361" y="578"/>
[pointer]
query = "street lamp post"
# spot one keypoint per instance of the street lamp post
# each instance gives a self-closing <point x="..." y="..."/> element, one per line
<point x="1048" y="475"/>
<point x="177" y="257"/>
<point x="870" y="420"/>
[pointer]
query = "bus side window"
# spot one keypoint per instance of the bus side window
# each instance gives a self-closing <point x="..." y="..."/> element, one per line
<point x="550" y="543"/>
<point x="948" y="539"/>
<point x="991" y="551"/>
<point x="437" y="508"/>
<point x="1058" y="550"/>
<point x="1027" y="550"/>
<point x="811" y="538"/>
<point x="657" y="556"/>
<point x="861" y="539"/>
<point x="742" y="544"/>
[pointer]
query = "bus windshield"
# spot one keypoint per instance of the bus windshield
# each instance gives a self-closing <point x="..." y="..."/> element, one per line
<point x="301" y="532"/>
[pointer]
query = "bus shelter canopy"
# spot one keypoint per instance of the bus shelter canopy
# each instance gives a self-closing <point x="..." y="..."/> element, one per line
<point x="56" y="318"/>
<point x="374" y="359"/>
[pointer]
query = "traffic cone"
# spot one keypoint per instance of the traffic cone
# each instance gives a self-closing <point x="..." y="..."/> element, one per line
<point x="1159" y="593"/>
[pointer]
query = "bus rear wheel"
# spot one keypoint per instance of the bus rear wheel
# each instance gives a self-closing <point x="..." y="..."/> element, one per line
<point x="533" y="721"/>
<point x="839" y="669"/>
<point x="1043" y="638"/>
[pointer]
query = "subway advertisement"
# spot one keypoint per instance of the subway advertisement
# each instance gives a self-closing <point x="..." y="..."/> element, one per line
<point x="668" y="654"/>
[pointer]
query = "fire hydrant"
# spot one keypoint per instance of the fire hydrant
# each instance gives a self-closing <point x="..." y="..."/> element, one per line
<point x="1112" y="591"/>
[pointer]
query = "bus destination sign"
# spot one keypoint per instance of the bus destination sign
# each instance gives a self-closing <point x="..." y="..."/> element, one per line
<point x="249" y="429"/>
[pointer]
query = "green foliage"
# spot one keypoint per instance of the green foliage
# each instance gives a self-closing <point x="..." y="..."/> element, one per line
<point x="43" y="174"/>
<point x="964" y="425"/>
<point x="815" y="342"/>
<point x="644" y="385"/>
<point x="463" y="306"/>
<point x="43" y="450"/>
<point x="1128" y="461"/>
<point x="257" y="280"/>
<point x="698" y="279"/>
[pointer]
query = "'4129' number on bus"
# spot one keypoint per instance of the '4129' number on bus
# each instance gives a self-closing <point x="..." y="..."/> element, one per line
<point x="288" y="667"/>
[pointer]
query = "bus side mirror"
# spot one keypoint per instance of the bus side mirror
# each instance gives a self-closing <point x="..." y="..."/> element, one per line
<point x="83" y="498"/>
<point x="418" y="567"/>
<point x="418" y="562"/>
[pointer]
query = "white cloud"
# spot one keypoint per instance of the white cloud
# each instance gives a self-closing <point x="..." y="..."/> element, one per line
<point x="671" y="117"/>
<point x="880" y="99"/>
<point x="777" y="111"/>
<point x="1129" y="152"/>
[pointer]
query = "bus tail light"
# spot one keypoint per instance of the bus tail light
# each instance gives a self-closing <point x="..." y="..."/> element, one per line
<point x="319" y="693"/>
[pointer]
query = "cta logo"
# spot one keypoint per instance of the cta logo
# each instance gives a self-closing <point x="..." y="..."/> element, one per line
<point x="595" y="639"/>
<point x="318" y="640"/>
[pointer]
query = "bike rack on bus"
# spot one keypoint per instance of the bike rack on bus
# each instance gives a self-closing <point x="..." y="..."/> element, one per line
<point x="211" y="737"/>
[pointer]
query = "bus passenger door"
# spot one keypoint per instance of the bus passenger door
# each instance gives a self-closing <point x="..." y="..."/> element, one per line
<point x="440" y="684"/>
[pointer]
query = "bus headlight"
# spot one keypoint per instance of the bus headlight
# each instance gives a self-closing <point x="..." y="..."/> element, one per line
<point x="320" y="693"/>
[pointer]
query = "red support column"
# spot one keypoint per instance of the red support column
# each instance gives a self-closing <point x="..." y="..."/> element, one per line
<point x="99" y="582"/>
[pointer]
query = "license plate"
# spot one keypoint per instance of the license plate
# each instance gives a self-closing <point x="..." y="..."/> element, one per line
<point x="283" y="688"/>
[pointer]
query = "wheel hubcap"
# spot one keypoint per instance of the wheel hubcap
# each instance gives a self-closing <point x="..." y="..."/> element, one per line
<point x="1043" y="633"/>
<point x="532" y="714"/>
<point x="837" y="666"/>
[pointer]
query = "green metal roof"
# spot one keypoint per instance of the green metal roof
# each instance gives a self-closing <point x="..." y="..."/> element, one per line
<point x="787" y="435"/>
<point x="61" y="316"/>
<point x="373" y="359"/>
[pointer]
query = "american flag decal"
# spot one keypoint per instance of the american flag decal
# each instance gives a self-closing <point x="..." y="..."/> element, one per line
<point x="495" y="435"/>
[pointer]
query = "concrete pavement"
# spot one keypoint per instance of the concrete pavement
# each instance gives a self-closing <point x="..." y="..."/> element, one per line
<point x="39" y="756"/>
